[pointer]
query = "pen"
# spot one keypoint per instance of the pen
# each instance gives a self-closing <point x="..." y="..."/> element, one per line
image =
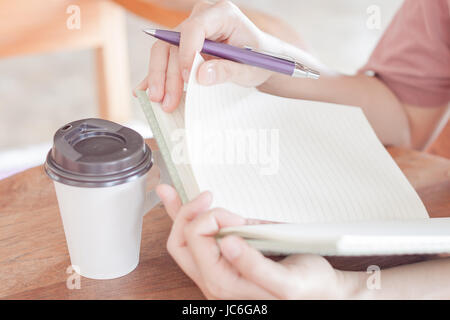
<point x="246" y="55"/>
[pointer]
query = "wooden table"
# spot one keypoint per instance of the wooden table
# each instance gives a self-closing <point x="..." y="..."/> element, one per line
<point x="34" y="256"/>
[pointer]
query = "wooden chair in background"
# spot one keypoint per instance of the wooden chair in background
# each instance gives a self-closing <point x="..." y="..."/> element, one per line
<point x="38" y="26"/>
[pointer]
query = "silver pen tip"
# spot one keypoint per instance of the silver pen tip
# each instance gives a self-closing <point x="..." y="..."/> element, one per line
<point x="302" y="71"/>
<point x="151" y="32"/>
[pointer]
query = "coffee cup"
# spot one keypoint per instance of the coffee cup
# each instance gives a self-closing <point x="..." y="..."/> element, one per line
<point x="100" y="171"/>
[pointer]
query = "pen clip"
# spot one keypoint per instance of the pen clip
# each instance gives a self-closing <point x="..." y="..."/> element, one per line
<point x="275" y="55"/>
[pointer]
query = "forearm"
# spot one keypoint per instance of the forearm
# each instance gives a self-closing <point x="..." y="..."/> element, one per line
<point x="424" y="280"/>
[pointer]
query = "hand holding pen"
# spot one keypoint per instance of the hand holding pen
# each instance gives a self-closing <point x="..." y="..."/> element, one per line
<point x="231" y="36"/>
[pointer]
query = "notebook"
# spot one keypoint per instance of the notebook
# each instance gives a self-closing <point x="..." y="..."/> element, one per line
<point x="317" y="168"/>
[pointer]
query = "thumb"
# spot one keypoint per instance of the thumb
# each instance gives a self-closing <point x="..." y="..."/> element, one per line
<point x="217" y="71"/>
<point x="170" y="199"/>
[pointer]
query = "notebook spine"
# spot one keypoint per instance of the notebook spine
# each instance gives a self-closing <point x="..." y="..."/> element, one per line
<point x="159" y="137"/>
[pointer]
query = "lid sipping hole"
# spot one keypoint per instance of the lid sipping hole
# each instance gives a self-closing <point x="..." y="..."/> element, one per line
<point x="66" y="127"/>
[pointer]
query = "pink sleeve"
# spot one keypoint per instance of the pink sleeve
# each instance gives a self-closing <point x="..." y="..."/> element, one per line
<point x="413" y="56"/>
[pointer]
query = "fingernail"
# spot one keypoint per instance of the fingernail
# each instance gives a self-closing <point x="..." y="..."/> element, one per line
<point x="185" y="75"/>
<point x="166" y="102"/>
<point x="231" y="248"/>
<point x="153" y="91"/>
<point x="210" y="75"/>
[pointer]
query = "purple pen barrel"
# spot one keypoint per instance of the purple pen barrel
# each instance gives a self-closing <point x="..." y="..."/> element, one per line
<point x="229" y="52"/>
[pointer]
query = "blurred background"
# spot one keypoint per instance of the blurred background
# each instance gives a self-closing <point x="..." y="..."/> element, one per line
<point x="66" y="60"/>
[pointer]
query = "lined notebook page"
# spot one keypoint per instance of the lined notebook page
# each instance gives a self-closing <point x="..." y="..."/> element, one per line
<point x="288" y="160"/>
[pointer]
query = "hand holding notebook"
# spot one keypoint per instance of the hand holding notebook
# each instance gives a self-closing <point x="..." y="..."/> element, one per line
<point x="315" y="164"/>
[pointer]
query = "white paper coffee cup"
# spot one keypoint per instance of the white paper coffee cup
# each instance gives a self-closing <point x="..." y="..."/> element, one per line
<point x="99" y="169"/>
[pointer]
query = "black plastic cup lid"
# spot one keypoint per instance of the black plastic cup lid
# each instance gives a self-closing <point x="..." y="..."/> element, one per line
<point x="97" y="153"/>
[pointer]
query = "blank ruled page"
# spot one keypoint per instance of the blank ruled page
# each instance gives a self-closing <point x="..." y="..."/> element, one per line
<point x="288" y="160"/>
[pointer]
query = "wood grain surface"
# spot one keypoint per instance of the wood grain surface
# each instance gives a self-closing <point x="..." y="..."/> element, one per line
<point x="34" y="257"/>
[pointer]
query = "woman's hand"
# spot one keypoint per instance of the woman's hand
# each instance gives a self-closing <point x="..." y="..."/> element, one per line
<point x="234" y="270"/>
<point x="170" y="65"/>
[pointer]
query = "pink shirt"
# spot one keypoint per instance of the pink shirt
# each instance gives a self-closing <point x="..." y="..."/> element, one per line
<point x="413" y="56"/>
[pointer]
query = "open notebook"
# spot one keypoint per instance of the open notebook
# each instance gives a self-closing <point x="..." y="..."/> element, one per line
<point x="317" y="165"/>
